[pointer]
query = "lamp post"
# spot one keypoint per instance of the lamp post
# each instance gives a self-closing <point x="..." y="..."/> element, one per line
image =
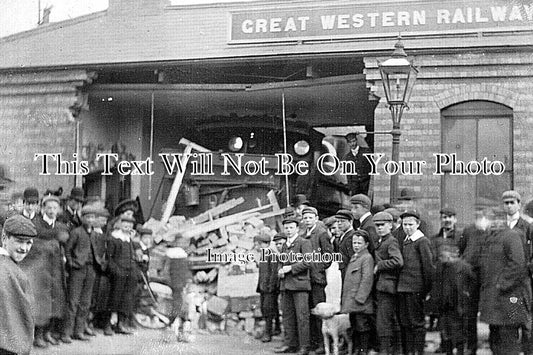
<point x="398" y="76"/>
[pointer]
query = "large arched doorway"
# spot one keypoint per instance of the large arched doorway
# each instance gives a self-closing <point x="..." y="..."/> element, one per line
<point x="475" y="130"/>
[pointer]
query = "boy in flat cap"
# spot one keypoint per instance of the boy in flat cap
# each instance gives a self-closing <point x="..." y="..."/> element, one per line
<point x="267" y="285"/>
<point x="317" y="234"/>
<point x="359" y="181"/>
<point x="82" y="261"/>
<point x="295" y="285"/>
<point x="16" y="299"/>
<point x="389" y="262"/>
<point x="414" y="283"/>
<point x="344" y="245"/>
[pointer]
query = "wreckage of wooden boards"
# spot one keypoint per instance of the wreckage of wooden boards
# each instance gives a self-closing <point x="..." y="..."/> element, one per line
<point x="207" y="223"/>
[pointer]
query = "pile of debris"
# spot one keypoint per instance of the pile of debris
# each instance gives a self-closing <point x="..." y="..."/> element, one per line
<point x="223" y="274"/>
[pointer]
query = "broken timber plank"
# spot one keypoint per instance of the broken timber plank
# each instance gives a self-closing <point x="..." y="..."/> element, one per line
<point x="216" y="211"/>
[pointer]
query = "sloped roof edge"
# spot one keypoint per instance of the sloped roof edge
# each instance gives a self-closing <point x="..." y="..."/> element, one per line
<point x="53" y="26"/>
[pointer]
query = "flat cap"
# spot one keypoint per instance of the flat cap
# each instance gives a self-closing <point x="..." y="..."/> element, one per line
<point x="361" y="233"/>
<point x="89" y="209"/>
<point x="361" y="199"/>
<point x="262" y="238"/>
<point x="126" y="205"/>
<point x="393" y="212"/>
<point x="20" y="227"/>
<point x="48" y="198"/>
<point x="511" y="194"/>
<point x="142" y="231"/>
<point x="448" y="211"/>
<point x="128" y="219"/>
<point x="382" y="217"/>
<point x="279" y="236"/>
<point x="30" y="195"/>
<point x="344" y="214"/>
<point x="291" y="219"/>
<point x="328" y="222"/>
<point x="102" y="212"/>
<point x="410" y="213"/>
<point x="310" y="209"/>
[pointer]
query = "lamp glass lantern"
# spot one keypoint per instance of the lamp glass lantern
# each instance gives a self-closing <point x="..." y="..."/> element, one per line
<point x="398" y="76"/>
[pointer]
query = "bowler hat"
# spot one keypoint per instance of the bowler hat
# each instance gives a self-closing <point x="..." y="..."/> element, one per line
<point x="19" y="226"/>
<point x="126" y="205"/>
<point x="361" y="199"/>
<point x="351" y="136"/>
<point x="310" y="210"/>
<point x="300" y="199"/>
<point x="407" y="193"/>
<point x="448" y="211"/>
<point x="529" y="208"/>
<point x="77" y="194"/>
<point x="382" y="217"/>
<point x="410" y="213"/>
<point x="279" y="236"/>
<point x="291" y="219"/>
<point x="31" y="195"/>
<point x="344" y="214"/>
<point x="511" y="194"/>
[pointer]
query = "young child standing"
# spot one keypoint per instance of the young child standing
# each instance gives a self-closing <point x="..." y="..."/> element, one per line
<point x="356" y="293"/>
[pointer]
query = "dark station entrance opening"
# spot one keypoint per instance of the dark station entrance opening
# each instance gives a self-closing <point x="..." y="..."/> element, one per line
<point x="234" y="107"/>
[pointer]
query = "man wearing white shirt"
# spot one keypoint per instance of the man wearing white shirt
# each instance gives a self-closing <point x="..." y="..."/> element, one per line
<point x="359" y="181"/>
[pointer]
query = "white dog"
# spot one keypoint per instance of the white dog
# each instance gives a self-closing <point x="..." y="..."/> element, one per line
<point x="334" y="325"/>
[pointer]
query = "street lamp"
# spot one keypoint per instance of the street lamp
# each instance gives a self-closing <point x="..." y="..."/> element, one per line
<point x="398" y="76"/>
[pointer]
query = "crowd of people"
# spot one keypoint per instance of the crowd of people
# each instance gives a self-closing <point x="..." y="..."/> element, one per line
<point x="71" y="269"/>
<point x="399" y="279"/>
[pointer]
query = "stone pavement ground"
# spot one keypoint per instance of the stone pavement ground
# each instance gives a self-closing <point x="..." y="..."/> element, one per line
<point x="163" y="342"/>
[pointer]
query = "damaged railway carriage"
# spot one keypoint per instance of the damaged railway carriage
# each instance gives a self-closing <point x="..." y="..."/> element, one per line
<point x="248" y="157"/>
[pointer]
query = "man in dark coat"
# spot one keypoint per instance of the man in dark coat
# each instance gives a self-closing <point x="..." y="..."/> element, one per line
<point x="359" y="181"/>
<point x="268" y="284"/>
<point x="17" y="325"/>
<point x="414" y="283"/>
<point x="295" y="285"/>
<point x="511" y="201"/>
<point x="389" y="261"/>
<point x="82" y="261"/>
<point x="71" y="212"/>
<point x="363" y="218"/>
<point x="505" y="293"/>
<point x="318" y="236"/>
<point x="449" y="239"/>
<point x="344" y="244"/>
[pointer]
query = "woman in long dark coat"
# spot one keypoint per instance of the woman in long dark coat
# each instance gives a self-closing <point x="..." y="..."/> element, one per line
<point x="46" y="272"/>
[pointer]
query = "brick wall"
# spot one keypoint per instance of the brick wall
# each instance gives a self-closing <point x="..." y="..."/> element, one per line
<point x="444" y="80"/>
<point x="35" y="118"/>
